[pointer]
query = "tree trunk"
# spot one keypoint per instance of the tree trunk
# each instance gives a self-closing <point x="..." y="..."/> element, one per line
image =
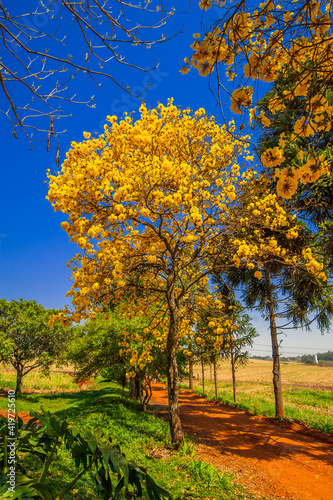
<point x="190" y="368"/>
<point x="19" y="377"/>
<point x="123" y="381"/>
<point x="277" y="384"/>
<point x="139" y="390"/>
<point x="215" y="380"/>
<point x="172" y="370"/>
<point x="203" y="377"/>
<point x="233" y="375"/>
<point x="146" y="393"/>
<point x="133" y="388"/>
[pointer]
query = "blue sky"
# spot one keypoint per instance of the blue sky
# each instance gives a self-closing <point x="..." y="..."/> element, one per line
<point x="34" y="249"/>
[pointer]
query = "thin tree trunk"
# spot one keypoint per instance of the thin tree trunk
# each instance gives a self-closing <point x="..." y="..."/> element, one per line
<point x="190" y="368"/>
<point x="19" y="377"/>
<point x="133" y="388"/>
<point x="123" y="382"/>
<point x="203" y="377"/>
<point x="233" y="375"/>
<point x="172" y="371"/>
<point x="146" y="393"/>
<point x="215" y="380"/>
<point x="139" y="390"/>
<point x="277" y="384"/>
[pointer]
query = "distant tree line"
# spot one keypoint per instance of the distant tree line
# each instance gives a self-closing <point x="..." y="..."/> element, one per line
<point x="306" y="358"/>
<point x="324" y="356"/>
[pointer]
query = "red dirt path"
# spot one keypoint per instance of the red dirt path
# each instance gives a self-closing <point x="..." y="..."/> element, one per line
<point x="270" y="458"/>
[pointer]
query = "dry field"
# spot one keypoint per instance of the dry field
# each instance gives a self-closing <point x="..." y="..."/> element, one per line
<point x="261" y="371"/>
<point x="37" y="381"/>
<point x="307" y="390"/>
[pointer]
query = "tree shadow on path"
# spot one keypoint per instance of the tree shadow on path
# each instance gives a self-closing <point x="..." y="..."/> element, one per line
<point x="230" y="430"/>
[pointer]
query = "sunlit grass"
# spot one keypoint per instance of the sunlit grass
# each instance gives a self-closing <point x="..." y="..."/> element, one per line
<point x="37" y="381"/>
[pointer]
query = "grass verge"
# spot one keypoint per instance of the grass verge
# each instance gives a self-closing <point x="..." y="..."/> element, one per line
<point x="313" y="408"/>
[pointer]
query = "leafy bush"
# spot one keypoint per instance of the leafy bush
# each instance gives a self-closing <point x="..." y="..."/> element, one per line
<point x="115" y="477"/>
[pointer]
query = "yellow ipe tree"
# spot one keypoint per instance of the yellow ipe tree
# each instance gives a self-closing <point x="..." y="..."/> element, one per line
<point x="288" y="40"/>
<point x="148" y="202"/>
<point x="151" y="204"/>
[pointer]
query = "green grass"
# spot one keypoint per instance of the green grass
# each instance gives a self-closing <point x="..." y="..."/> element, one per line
<point x="311" y="398"/>
<point x="7" y="380"/>
<point x="202" y="471"/>
<point x="310" y="407"/>
<point x="142" y="437"/>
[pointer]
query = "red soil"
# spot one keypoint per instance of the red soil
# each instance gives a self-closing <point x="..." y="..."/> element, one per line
<point x="25" y="415"/>
<point x="86" y="382"/>
<point x="276" y="459"/>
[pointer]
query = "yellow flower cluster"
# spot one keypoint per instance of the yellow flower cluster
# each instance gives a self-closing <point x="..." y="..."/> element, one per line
<point x="313" y="265"/>
<point x="310" y="171"/>
<point x="272" y="157"/>
<point x="241" y="98"/>
<point x="267" y="41"/>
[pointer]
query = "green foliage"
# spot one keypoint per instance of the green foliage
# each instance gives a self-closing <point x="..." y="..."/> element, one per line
<point x="187" y="448"/>
<point x="311" y="398"/>
<point x="325" y="356"/>
<point x="7" y="347"/>
<point x="96" y="347"/>
<point x="90" y="451"/>
<point x="99" y="347"/>
<point x="242" y="336"/>
<point x="27" y="340"/>
<point x="325" y="237"/>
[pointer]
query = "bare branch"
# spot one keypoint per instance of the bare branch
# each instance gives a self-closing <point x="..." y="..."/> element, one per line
<point x="104" y="27"/>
